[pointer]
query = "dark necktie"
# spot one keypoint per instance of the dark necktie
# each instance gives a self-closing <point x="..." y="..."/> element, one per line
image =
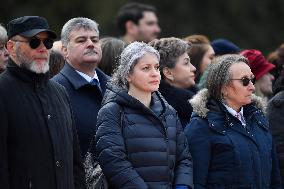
<point x="96" y="83"/>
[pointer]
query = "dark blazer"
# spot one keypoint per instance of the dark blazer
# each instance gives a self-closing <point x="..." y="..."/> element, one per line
<point x="138" y="147"/>
<point x="38" y="141"/>
<point x="227" y="155"/>
<point x="85" y="100"/>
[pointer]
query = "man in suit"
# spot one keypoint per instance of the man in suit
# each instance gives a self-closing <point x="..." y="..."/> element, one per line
<point x="84" y="82"/>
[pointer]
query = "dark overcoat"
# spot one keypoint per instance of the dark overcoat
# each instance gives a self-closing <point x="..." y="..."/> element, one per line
<point x="85" y="100"/>
<point x="275" y="115"/>
<point x="38" y="140"/>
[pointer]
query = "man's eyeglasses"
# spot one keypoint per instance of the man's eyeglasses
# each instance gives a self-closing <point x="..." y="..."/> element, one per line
<point x="245" y="80"/>
<point x="35" y="42"/>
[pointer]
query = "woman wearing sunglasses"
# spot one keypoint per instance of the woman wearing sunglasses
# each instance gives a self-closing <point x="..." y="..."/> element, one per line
<point x="228" y="135"/>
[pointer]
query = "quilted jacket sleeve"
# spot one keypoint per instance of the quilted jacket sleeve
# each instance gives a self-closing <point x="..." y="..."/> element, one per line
<point x="184" y="169"/>
<point x="111" y="152"/>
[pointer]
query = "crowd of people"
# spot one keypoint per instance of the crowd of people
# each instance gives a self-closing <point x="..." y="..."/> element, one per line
<point x="157" y="113"/>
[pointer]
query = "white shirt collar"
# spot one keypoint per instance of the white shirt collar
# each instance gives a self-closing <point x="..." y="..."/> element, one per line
<point x="235" y="113"/>
<point x="88" y="78"/>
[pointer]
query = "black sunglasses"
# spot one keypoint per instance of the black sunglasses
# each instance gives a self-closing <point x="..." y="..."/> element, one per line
<point x="35" y="42"/>
<point x="246" y="80"/>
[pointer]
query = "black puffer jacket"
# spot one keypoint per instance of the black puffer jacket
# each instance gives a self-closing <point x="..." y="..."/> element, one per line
<point x="149" y="150"/>
<point x="178" y="99"/>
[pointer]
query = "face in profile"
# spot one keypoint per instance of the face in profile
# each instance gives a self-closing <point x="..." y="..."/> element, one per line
<point x="239" y="90"/>
<point x="148" y="27"/>
<point x="145" y="76"/>
<point x="3" y="57"/>
<point x="264" y="84"/>
<point x="207" y="58"/>
<point x="183" y="74"/>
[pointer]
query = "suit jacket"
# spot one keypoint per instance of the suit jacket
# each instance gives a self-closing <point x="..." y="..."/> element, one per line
<point x="85" y="100"/>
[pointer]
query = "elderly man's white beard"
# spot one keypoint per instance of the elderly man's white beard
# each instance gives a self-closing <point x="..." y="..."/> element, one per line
<point x="38" y="68"/>
<point x="35" y="67"/>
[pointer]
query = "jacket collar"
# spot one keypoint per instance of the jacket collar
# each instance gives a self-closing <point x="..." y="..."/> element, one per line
<point x="27" y="75"/>
<point x="78" y="81"/>
<point x="219" y="118"/>
<point x="200" y="100"/>
<point x="75" y="79"/>
<point x="120" y="96"/>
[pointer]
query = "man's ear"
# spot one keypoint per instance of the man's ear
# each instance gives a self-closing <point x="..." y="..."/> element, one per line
<point x="11" y="48"/>
<point x="64" y="51"/>
<point x="167" y="72"/>
<point x="131" y="27"/>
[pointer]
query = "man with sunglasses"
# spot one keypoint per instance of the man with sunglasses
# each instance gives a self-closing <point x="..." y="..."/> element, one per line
<point x="38" y="141"/>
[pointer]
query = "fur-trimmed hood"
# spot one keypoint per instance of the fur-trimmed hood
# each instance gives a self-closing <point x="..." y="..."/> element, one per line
<point x="199" y="102"/>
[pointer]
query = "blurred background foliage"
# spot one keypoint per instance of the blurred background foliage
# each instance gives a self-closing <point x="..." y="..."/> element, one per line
<point x="248" y="23"/>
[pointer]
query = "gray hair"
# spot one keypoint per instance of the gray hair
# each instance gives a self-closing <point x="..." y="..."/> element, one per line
<point x="219" y="73"/>
<point x="3" y="35"/>
<point x="76" y="24"/>
<point x="170" y="49"/>
<point x="128" y="59"/>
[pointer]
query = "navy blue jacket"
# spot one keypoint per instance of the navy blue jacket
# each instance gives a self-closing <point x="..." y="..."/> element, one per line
<point x="139" y="147"/>
<point x="85" y="100"/>
<point x="227" y="155"/>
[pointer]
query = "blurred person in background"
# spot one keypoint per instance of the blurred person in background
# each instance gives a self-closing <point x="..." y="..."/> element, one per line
<point x="177" y="74"/>
<point x="57" y="46"/>
<point x="220" y="46"/>
<point x="140" y="142"/>
<point x="223" y="46"/>
<point x="261" y="68"/>
<point x="84" y="82"/>
<point x="201" y="54"/>
<point x="275" y="115"/>
<point x="277" y="58"/>
<point x="111" y="50"/>
<point x="4" y="55"/>
<point x="228" y="134"/>
<point x="138" y="22"/>
<point x="56" y="62"/>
